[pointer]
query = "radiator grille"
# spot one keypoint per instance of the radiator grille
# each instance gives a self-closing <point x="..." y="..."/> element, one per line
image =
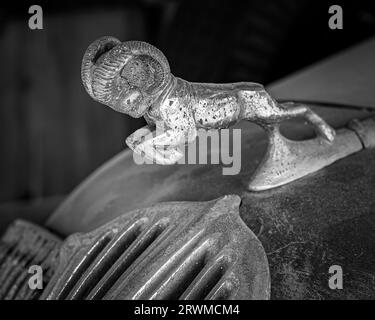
<point x="180" y="250"/>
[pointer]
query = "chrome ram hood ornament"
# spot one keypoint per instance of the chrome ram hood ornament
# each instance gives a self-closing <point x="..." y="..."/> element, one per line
<point x="174" y="250"/>
<point x="134" y="78"/>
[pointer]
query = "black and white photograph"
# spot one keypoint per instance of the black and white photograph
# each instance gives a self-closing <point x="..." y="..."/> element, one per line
<point x="200" y="152"/>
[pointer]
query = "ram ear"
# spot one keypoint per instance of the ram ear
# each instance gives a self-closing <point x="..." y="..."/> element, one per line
<point x="148" y="69"/>
<point x="95" y="50"/>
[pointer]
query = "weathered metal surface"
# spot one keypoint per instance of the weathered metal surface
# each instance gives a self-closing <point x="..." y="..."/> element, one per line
<point x="287" y="160"/>
<point x="187" y="250"/>
<point x="22" y="246"/>
<point x="365" y="131"/>
<point x="323" y="219"/>
<point x="121" y="185"/>
<point x="203" y="249"/>
<point x="134" y="78"/>
<point x="312" y="224"/>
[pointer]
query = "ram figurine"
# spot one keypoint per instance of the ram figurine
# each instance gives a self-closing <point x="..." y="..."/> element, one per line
<point x="134" y="78"/>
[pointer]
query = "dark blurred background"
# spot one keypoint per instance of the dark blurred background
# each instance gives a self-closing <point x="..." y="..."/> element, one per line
<point x="52" y="135"/>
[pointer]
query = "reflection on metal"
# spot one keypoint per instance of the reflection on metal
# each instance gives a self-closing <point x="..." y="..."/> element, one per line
<point x="287" y="160"/>
<point x="134" y="78"/>
<point x="22" y="246"/>
<point x="175" y="250"/>
<point x="365" y="130"/>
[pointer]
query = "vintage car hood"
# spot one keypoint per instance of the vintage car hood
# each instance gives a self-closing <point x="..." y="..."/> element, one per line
<point x="305" y="227"/>
<point x="120" y="185"/>
<point x="344" y="79"/>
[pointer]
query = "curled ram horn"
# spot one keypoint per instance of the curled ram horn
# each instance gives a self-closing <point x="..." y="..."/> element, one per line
<point x="92" y="54"/>
<point x="124" y="76"/>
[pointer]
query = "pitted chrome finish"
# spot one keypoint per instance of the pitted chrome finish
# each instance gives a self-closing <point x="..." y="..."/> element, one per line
<point x="288" y="160"/>
<point x="176" y="250"/>
<point x="134" y="78"/>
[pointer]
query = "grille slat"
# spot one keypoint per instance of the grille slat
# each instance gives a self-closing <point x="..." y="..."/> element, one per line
<point x="223" y="291"/>
<point x="176" y="250"/>
<point x="208" y="278"/>
<point x="111" y="253"/>
<point x="178" y="272"/>
<point x="126" y="259"/>
<point x="78" y="265"/>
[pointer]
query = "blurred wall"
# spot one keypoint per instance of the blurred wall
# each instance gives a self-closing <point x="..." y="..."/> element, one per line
<point x="52" y="134"/>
